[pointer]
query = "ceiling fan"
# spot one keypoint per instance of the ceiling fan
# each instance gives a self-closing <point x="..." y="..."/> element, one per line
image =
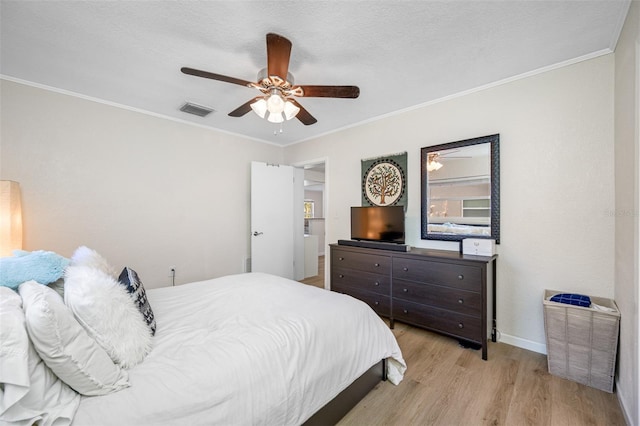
<point x="277" y="103"/>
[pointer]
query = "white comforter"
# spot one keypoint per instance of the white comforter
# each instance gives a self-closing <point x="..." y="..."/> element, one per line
<point x="454" y="228"/>
<point x="246" y="349"/>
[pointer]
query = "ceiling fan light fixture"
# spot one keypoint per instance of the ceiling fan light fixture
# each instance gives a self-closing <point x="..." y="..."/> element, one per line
<point x="275" y="103"/>
<point x="260" y="107"/>
<point x="276" y="117"/>
<point x="432" y="163"/>
<point x="275" y="108"/>
<point x="290" y="110"/>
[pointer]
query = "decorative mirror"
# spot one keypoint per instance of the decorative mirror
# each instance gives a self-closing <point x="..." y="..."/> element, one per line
<point x="461" y="190"/>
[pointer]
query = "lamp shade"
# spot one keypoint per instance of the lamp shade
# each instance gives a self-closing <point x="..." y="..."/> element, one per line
<point x="275" y="103"/>
<point x="434" y="165"/>
<point x="275" y="117"/>
<point x="290" y="110"/>
<point x="10" y="217"/>
<point x="259" y="107"/>
<point x="275" y="108"/>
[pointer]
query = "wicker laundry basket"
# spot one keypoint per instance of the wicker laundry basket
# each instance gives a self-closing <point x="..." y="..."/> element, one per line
<point x="582" y="342"/>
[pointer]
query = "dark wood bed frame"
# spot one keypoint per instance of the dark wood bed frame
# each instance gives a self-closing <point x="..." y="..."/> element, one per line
<point x="339" y="406"/>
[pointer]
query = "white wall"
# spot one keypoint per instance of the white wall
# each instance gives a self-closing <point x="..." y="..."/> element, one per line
<point x="145" y="192"/>
<point x="557" y="181"/>
<point x="627" y="210"/>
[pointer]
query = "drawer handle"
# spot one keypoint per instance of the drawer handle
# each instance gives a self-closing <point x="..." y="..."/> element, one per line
<point x="405" y="269"/>
<point x="460" y="325"/>
<point x="341" y="258"/>
<point x="406" y="311"/>
<point x="460" y="301"/>
<point x="376" y="264"/>
<point x="405" y="290"/>
<point x="376" y="283"/>
<point x="460" y="277"/>
<point x="341" y="276"/>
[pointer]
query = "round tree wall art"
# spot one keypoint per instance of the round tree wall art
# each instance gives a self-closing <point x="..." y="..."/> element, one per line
<point x="384" y="180"/>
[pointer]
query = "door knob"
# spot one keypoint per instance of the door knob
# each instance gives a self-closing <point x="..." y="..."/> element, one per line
<point x="255" y="234"/>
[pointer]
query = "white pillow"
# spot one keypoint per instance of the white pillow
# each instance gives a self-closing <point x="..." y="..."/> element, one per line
<point x="65" y="346"/>
<point x="31" y="393"/>
<point x="84" y="256"/>
<point x="104" y="308"/>
<point x="58" y="286"/>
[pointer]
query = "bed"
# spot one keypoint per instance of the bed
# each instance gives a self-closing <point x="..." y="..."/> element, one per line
<point x="458" y="229"/>
<point x="248" y="349"/>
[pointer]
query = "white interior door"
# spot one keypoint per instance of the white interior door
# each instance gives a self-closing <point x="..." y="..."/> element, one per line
<point x="272" y="219"/>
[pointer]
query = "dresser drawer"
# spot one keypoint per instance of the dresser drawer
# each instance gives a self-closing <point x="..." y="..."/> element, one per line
<point x="453" y="299"/>
<point x="360" y="261"/>
<point x="441" y="320"/>
<point x="447" y="274"/>
<point x="381" y="304"/>
<point x="361" y="280"/>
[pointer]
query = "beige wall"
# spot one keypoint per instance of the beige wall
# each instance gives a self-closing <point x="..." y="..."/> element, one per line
<point x="557" y="181"/>
<point x="145" y="192"/>
<point x="627" y="210"/>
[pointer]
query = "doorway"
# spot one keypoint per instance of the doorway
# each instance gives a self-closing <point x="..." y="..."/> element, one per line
<point x="315" y="208"/>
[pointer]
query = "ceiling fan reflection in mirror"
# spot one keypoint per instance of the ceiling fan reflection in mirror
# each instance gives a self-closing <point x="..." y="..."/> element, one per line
<point x="277" y="101"/>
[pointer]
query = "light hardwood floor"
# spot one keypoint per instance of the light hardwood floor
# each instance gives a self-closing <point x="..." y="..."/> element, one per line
<point x="446" y="384"/>
<point x="318" y="280"/>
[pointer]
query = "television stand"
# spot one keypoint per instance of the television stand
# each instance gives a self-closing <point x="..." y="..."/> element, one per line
<point x="375" y="245"/>
<point x="442" y="291"/>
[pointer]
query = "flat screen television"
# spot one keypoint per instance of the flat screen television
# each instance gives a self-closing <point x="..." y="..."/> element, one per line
<point x="378" y="223"/>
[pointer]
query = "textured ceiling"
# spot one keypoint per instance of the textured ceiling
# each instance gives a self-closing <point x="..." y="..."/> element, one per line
<point x="401" y="54"/>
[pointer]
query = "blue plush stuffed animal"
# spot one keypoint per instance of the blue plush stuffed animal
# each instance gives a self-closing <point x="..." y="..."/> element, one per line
<point x="42" y="266"/>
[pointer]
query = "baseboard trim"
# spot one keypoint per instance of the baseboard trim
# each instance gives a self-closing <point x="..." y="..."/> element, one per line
<point x="523" y="343"/>
<point x="623" y="407"/>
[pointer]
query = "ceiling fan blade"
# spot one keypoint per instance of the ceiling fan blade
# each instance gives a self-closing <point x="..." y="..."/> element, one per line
<point x="303" y="115"/>
<point x="213" y="76"/>
<point x="244" y="108"/>
<point x="329" y="91"/>
<point x="278" y="54"/>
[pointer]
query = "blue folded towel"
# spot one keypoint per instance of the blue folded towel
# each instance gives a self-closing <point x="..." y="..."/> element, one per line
<point x="572" y="299"/>
<point x="41" y="266"/>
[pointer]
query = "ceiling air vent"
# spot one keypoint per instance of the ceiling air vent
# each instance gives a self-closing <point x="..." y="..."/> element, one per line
<point x="194" y="109"/>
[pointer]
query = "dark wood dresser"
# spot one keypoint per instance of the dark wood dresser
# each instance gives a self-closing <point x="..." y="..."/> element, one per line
<point x="439" y="290"/>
